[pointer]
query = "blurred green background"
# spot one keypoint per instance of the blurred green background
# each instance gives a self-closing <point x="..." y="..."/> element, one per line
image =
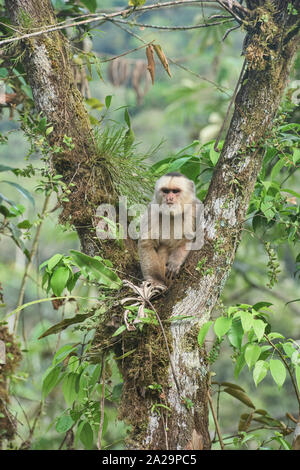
<point x="173" y="112"/>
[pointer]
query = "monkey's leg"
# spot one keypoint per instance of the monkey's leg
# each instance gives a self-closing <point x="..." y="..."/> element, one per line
<point x="175" y="260"/>
<point x="152" y="263"/>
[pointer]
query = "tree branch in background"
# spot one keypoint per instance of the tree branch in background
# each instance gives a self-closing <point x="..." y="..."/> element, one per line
<point x="103" y="17"/>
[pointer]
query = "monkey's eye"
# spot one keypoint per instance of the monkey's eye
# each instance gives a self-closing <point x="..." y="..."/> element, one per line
<point x="165" y="190"/>
<point x="175" y="191"/>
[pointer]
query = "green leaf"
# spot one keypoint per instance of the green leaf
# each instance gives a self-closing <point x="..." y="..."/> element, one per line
<point x="288" y="348"/>
<point x="213" y="155"/>
<point x="117" y="392"/>
<point x="260" y="371"/>
<point x="276" y="169"/>
<point x="97" y="269"/>
<point x="63" y="352"/>
<point x="127" y="118"/>
<point x="179" y="162"/>
<point x="296" y="155"/>
<point x="90" y="4"/>
<point x="24" y="224"/>
<point x="136" y="3"/>
<point x="59" y="279"/>
<point x="50" y="380"/>
<point x="252" y="354"/>
<point x="278" y="371"/>
<point x="87" y="435"/>
<point x="247" y="320"/>
<point x="119" y="330"/>
<point x="240" y="364"/>
<point x="203" y="332"/>
<point x="69" y="387"/>
<point x="22" y="191"/>
<point x="94" y="103"/>
<point x="221" y="326"/>
<point x="72" y="280"/>
<point x="79" y="318"/>
<point x="258" y="222"/>
<point x="48" y="299"/>
<point x="260" y="305"/>
<point x="236" y="333"/>
<point x="267" y="208"/>
<point x="290" y="191"/>
<point x="95" y="375"/>
<point x="64" y="423"/>
<point x="128" y="353"/>
<point x="275" y="335"/>
<point x="53" y="261"/>
<point x="259" y="327"/>
<point x="108" y="99"/>
<point x="3" y="72"/>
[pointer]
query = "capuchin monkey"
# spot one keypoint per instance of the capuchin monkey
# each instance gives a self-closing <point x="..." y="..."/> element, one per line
<point x="168" y="228"/>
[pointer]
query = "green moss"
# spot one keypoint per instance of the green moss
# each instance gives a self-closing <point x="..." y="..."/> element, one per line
<point x="24" y="19"/>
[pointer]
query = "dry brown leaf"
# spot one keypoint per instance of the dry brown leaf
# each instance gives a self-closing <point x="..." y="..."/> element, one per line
<point x="151" y="63"/>
<point x="161" y="55"/>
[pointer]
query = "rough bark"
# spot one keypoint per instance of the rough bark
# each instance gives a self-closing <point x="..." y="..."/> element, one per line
<point x="269" y="53"/>
<point x="47" y="61"/>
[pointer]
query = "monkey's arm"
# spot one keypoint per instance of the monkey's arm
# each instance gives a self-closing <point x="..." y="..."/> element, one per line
<point x="176" y="260"/>
<point x="152" y="262"/>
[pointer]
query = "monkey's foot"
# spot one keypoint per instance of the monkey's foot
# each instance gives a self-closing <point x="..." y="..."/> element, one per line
<point x="172" y="269"/>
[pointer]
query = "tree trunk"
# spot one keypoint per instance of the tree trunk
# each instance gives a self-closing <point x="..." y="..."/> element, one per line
<point x="166" y="402"/>
<point x="47" y="61"/>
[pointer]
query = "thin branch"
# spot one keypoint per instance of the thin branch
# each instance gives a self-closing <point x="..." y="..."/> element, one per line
<point x="229" y="107"/>
<point x="218" y="87"/>
<point x="29" y="264"/>
<point x="227" y="6"/>
<point x="165" y="430"/>
<point x="126" y="53"/>
<point x="215" y="421"/>
<point x="174" y="28"/>
<point x="92" y="18"/>
<point x="101" y="403"/>
<point x="297" y="393"/>
<point x="167" y="346"/>
<point x="229" y="31"/>
<point x="101" y="17"/>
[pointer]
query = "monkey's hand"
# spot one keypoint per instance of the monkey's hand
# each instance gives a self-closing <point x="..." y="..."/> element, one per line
<point x="175" y="261"/>
<point x="172" y="268"/>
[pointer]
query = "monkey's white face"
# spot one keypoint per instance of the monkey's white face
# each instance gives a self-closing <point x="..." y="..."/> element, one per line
<point x="172" y="193"/>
